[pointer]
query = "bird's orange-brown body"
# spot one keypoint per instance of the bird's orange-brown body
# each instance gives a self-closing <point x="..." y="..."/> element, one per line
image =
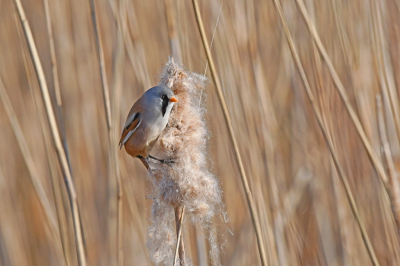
<point x="138" y="145"/>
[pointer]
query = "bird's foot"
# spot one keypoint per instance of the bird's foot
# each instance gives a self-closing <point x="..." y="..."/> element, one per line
<point x="144" y="161"/>
<point x="164" y="161"/>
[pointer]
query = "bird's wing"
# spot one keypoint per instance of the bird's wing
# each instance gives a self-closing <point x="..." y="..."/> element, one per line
<point x="132" y="123"/>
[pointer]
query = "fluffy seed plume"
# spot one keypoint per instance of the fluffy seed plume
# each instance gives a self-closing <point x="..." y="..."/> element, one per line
<point x="188" y="181"/>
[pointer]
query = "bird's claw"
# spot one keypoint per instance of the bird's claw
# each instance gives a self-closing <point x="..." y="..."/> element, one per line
<point x="167" y="161"/>
<point x="164" y="161"/>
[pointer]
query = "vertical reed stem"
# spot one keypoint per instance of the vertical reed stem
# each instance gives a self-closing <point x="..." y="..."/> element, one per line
<point x="55" y="182"/>
<point x="344" y="97"/>
<point x="30" y="165"/>
<point x="375" y="12"/>
<point x="327" y="137"/>
<point x="55" y="133"/>
<point x="249" y="196"/>
<point x="114" y="184"/>
<point x="387" y="155"/>
<point x="179" y="213"/>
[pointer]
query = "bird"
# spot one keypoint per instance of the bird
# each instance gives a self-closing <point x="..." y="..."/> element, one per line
<point x="146" y="120"/>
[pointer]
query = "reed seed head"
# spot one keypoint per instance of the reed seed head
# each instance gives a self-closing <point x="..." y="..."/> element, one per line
<point x="187" y="182"/>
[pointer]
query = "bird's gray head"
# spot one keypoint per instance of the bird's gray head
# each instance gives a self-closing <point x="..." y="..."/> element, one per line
<point x="162" y="98"/>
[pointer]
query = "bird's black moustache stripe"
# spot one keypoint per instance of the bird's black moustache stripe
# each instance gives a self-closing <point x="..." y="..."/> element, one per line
<point x="164" y="105"/>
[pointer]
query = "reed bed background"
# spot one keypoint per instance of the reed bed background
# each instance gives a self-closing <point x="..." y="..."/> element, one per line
<point x="97" y="66"/>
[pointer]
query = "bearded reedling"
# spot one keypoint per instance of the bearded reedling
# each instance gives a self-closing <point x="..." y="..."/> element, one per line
<point x="147" y="119"/>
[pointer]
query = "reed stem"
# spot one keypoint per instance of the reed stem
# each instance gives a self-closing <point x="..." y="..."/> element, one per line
<point x="327" y="137"/>
<point x="344" y="96"/>
<point x="55" y="133"/>
<point x="215" y="77"/>
<point x="114" y="184"/>
<point x="179" y="213"/>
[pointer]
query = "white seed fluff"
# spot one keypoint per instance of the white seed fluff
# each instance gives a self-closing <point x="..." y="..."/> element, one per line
<point x="188" y="181"/>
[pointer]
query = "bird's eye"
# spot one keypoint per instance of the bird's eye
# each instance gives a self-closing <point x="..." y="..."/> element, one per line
<point x="163" y="97"/>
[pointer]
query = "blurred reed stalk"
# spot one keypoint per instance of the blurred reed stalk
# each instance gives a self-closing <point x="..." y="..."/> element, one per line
<point x="343" y="37"/>
<point x="327" y="137"/>
<point x="11" y="252"/>
<point x="55" y="133"/>
<point x="344" y="96"/>
<point x="376" y="163"/>
<point x="172" y="32"/>
<point x="387" y="92"/>
<point x="249" y="197"/>
<point x="134" y="46"/>
<point x="59" y="199"/>
<point x="57" y="194"/>
<point x="30" y="165"/>
<point x="388" y="159"/>
<point x="56" y="82"/>
<point x="179" y="213"/>
<point x="213" y="35"/>
<point x="115" y="190"/>
<point x="52" y="53"/>
<point x="273" y="219"/>
<point x="118" y="71"/>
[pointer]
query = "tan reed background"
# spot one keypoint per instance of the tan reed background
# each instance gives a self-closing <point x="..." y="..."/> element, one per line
<point x="304" y="214"/>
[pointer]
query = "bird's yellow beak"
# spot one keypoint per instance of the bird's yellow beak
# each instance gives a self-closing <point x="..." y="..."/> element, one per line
<point x="173" y="99"/>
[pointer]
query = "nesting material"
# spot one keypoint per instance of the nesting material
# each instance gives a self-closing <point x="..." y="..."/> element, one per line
<point x="187" y="182"/>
